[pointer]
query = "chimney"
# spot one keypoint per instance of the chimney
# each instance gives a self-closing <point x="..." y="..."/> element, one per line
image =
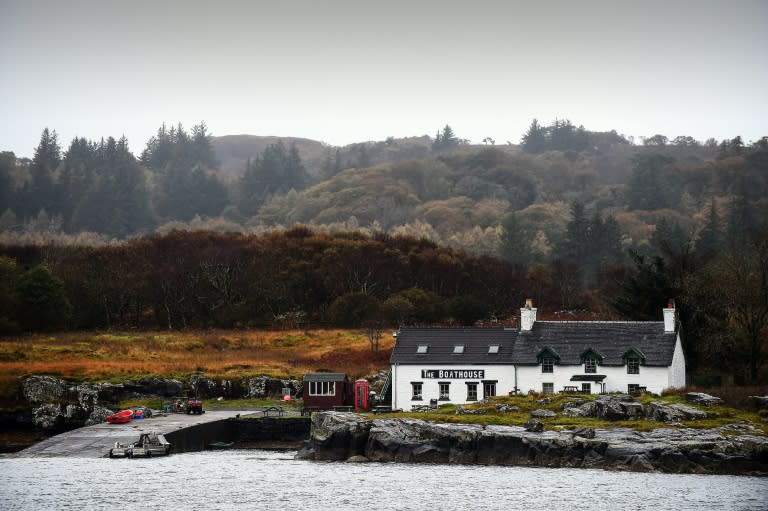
<point x="527" y="316"/>
<point x="669" y="317"/>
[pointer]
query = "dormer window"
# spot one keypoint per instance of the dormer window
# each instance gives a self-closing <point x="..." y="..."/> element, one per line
<point x="458" y="349"/>
<point x="591" y="358"/>
<point x="547" y="357"/>
<point x="422" y="348"/>
<point x="493" y="349"/>
<point x="633" y="358"/>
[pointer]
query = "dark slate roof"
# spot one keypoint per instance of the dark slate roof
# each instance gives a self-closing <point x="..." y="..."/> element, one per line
<point x="611" y="339"/>
<point x="325" y="377"/>
<point x="568" y="339"/>
<point x="442" y="340"/>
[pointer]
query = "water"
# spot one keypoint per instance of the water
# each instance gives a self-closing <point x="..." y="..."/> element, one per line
<point x="254" y="479"/>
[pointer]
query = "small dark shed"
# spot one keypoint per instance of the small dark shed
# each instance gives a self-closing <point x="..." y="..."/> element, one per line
<point x="326" y="390"/>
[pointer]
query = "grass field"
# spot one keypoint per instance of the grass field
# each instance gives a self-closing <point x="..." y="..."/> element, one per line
<point x="721" y="415"/>
<point x="116" y="356"/>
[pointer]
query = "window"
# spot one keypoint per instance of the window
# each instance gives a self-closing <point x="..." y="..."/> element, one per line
<point x="633" y="388"/>
<point x="322" y="388"/>
<point x="445" y="390"/>
<point x="416" y="387"/>
<point x="548" y="388"/>
<point x="459" y="348"/>
<point x="493" y="348"/>
<point x="422" y="348"/>
<point x="471" y="391"/>
<point x="633" y="365"/>
<point x="590" y="365"/>
<point x="547" y="365"/>
<point x="586" y="388"/>
<point x="489" y="389"/>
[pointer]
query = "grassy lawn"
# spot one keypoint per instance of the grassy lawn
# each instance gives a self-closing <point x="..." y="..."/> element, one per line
<point x="528" y="403"/>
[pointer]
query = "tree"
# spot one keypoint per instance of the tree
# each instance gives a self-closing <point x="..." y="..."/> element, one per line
<point x="535" y="139"/>
<point x="652" y="185"/>
<point x="735" y="289"/>
<point x="44" y="163"/>
<point x="42" y="302"/>
<point x="656" y="141"/>
<point x="709" y="242"/>
<point x="445" y="139"/>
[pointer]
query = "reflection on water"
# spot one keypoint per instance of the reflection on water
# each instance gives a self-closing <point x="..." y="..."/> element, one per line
<point x="253" y="479"/>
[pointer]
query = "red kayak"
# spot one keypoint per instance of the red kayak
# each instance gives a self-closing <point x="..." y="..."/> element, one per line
<point x="120" y="417"/>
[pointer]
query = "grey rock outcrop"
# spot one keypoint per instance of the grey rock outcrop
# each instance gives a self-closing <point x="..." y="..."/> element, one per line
<point x="340" y="436"/>
<point x="504" y="408"/>
<point x="43" y="389"/>
<point x="700" y="398"/>
<point x="618" y="407"/>
<point x="534" y="425"/>
<point x="543" y="414"/>
<point x="673" y="413"/>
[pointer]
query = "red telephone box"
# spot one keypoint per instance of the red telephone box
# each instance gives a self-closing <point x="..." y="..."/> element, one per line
<point x="361" y="395"/>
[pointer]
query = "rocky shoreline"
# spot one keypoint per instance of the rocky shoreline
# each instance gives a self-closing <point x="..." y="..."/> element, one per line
<point x="735" y="449"/>
<point x="49" y="405"/>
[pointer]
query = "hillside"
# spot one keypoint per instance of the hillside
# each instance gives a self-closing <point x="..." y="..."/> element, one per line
<point x="233" y="151"/>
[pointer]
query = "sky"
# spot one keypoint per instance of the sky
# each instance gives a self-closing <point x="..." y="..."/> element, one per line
<point x="350" y="71"/>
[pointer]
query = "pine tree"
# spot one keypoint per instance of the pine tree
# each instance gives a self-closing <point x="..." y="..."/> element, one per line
<point x="46" y="160"/>
<point x="535" y="139"/>
<point x="710" y="238"/>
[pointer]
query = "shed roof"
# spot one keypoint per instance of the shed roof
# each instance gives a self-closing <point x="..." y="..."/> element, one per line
<point x="325" y="377"/>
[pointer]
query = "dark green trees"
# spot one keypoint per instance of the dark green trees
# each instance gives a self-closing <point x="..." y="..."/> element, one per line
<point x="186" y="184"/>
<point x="40" y="193"/>
<point x="275" y="171"/>
<point x="41" y="301"/>
<point x="445" y="139"/>
<point x="653" y="184"/>
<point x="535" y="139"/>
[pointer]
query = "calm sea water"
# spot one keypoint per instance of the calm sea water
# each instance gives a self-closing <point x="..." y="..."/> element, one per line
<point x="253" y="479"/>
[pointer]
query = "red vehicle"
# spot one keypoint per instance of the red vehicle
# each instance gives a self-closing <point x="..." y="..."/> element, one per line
<point x="184" y="405"/>
<point x="120" y="417"/>
<point x="194" y="406"/>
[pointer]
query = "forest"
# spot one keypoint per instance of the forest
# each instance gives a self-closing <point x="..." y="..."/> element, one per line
<point x="425" y="230"/>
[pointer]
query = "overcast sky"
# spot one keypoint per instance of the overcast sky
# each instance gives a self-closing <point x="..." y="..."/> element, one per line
<point x="349" y="71"/>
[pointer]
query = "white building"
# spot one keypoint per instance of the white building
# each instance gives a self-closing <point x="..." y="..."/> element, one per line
<point x="439" y="365"/>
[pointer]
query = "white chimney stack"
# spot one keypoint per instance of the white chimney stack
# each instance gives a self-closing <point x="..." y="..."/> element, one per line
<point x="527" y="316"/>
<point x="670" y="317"/>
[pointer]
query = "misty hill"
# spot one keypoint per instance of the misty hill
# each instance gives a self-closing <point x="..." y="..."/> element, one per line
<point x="233" y="151"/>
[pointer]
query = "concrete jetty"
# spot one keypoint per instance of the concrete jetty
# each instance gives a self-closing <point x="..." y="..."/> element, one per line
<point x="95" y="441"/>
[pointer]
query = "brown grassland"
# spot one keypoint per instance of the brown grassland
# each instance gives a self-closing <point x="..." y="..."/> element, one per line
<point x="117" y="356"/>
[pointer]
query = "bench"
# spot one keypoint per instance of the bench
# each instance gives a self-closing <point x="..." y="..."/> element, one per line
<point x="340" y="408"/>
<point x="382" y="409"/>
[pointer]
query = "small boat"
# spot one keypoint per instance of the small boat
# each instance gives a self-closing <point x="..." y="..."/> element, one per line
<point x="119" y="451"/>
<point x="220" y="445"/>
<point x="120" y="417"/>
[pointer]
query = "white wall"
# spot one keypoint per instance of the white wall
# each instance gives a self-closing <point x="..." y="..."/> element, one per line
<point x="403" y="375"/>
<point x="677" y="370"/>
<point x="616" y="378"/>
